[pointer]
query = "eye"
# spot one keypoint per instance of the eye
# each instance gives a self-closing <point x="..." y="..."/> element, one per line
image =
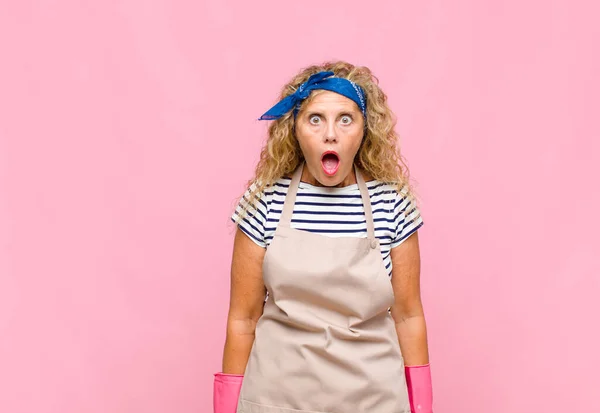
<point x="346" y="120"/>
<point x="314" y="119"/>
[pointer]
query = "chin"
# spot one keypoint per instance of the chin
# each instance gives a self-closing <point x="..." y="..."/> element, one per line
<point x="323" y="179"/>
<point x="332" y="180"/>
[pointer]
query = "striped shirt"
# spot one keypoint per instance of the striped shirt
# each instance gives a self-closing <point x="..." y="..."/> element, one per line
<point x="333" y="212"/>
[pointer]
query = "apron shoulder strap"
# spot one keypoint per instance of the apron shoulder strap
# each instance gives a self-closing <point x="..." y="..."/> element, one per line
<point x="366" y="198"/>
<point x="290" y="198"/>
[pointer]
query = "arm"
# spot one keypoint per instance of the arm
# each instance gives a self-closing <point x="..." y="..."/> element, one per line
<point x="246" y="302"/>
<point x="407" y="310"/>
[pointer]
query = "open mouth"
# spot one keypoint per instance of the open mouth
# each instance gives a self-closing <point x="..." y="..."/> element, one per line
<point x="330" y="161"/>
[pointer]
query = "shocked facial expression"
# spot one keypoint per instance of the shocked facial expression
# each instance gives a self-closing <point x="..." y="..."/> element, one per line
<point x="330" y="130"/>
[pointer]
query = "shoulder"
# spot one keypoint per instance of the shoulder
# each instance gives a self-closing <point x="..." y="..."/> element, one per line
<point x="265" y="193"/>
<point x="390" y="191"/>
<point x="399" y="192"/>
<point x="253" y="209"/>
<point x="407" y="215"/>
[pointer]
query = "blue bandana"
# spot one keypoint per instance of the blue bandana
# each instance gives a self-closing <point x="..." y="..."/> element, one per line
<point x="321" y="80"/>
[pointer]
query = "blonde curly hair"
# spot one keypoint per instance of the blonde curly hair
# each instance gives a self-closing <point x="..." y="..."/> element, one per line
<point x="379" y="153"/>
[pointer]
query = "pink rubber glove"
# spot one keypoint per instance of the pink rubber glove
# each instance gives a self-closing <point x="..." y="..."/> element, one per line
<point x="420" y="392"/>
<point x="226" y="391"/>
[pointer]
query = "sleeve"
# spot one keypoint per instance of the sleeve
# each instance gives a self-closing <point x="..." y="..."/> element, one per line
<point x="407" y="218"/>
<point x="252" y="220"/>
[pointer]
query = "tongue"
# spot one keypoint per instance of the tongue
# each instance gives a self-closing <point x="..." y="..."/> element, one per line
<point x="330" y="163"/>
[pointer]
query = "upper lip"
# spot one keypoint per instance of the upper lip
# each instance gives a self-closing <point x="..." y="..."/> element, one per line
<point x="328" y="153"/>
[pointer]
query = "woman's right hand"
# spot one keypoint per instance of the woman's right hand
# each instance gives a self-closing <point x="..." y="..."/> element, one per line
<point x="226" y="392"/>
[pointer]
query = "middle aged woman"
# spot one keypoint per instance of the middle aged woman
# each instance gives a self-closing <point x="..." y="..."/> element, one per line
<point x="327" y="233"/>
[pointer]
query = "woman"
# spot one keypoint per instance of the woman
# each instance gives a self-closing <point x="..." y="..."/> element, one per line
<point x="325" y="310"/>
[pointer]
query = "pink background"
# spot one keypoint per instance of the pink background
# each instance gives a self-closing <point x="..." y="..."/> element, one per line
<point x="127" y="130"/>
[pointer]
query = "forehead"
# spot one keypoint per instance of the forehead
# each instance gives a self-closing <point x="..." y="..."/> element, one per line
<point x="325" y="100"/>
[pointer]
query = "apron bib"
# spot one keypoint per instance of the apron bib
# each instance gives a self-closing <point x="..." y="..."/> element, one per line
<point x="326" y="342"/>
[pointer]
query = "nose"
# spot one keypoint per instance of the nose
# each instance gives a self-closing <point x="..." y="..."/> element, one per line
<point x="330" y="133"/>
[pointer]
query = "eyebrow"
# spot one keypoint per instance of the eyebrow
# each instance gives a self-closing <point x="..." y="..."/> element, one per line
<point x="341" y="113"/>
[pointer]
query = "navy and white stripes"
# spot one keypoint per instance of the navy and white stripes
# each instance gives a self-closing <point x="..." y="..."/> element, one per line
<point x="334" y="212"/>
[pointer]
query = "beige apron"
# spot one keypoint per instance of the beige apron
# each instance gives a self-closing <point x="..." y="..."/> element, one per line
<point x="326" y="342"/>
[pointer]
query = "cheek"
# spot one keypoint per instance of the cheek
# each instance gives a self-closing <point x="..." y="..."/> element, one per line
<point x="355" y="138"/>
<point x="306" y="139"/>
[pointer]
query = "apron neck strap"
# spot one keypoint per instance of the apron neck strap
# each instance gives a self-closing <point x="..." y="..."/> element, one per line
<point x="366" y="198"/>
<point x="290" y="200"/>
